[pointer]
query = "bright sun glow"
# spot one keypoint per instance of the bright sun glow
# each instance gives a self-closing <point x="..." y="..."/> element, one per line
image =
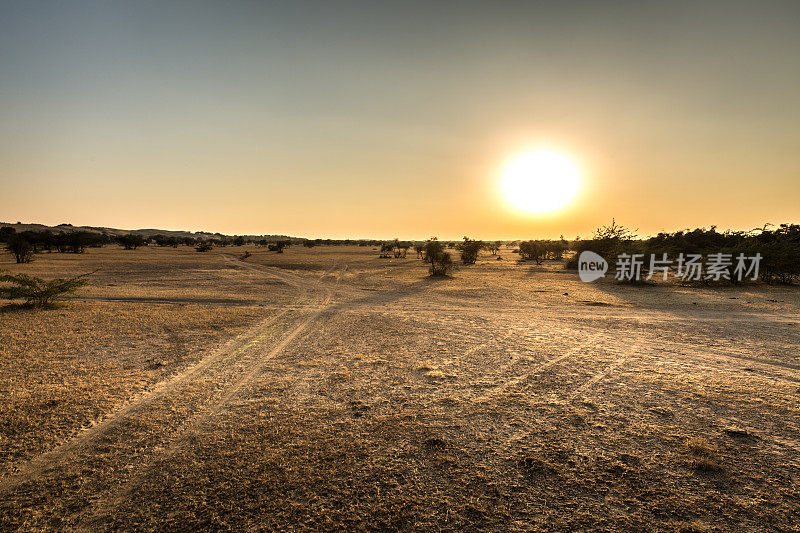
<point x="540" y="181"/>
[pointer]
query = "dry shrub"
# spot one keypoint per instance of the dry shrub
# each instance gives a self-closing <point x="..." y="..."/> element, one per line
<point x="38" y="292"/>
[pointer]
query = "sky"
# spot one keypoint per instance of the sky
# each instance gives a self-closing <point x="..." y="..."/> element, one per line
<point x="396" y="119"/>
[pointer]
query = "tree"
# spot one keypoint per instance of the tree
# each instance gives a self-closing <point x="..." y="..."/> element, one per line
<point x="469" y="250"/>
<point x="278" y="246"/>
<point x="204" y="246"/>
<point x="441" y="262"/>
<point x="131" y="241"/>
<point x="6" y="233"/>
<point x="386" y="250"/>
<point x="431" y="248"/>
<point x="401" y="249"/>
<point x="165" y="240"/>
<point x="441" y="265"/>
<point x="38" y="292"/>
<point x="73" y="241"/>
<point x="531" y="250"/>
<point x="608" y="241"/>
<point x="615" y="232"/>
<point x="23" y="250"/>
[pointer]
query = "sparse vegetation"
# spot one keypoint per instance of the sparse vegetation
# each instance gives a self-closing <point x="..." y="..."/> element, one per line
<point x="278" y="246"/>
<point x="608" y="242"/>
<point x="386" y="250"/>
<point x="131" y="241"/>
<point x="21" y="249"/>
<point x="475" y="416"/>
<point x="703" y="455"/>
<point x="779" y="249"/>
<point x="440" y="260"/>
<point x="37" y="292"/>
<point x="470" y="249"/>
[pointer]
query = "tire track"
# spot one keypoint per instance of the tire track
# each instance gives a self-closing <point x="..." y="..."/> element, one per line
<point x="182" y="438"/>
<point x="231" y="353"/>
<point x="499" y="389"/>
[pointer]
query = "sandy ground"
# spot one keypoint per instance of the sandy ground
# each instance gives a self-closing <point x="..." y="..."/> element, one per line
<point x="327" y="389"/>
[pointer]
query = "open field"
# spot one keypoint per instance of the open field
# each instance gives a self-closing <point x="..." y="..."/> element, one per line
<point x="327" y="389"/>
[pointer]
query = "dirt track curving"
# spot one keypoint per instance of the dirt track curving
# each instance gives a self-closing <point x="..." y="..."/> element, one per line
<point x="380" y="399"/>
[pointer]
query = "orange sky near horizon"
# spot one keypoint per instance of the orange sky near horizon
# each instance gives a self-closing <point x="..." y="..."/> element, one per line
<point x="382" y="121"/>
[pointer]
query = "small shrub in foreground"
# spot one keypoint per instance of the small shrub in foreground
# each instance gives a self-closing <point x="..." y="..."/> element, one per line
<point x="38" y="292"/>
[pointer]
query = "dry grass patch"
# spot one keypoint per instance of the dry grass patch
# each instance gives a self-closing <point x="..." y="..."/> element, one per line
<point x="704" y="455"/>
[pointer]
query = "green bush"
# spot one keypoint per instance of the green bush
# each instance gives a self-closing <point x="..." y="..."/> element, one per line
<point x="37" y="292"/>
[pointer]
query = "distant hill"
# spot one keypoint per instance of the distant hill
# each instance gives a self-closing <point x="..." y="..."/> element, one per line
<point x="147" y="232"/>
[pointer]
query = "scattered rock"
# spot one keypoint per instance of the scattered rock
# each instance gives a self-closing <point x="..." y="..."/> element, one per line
<point x="576" y="420"/>
<point x="739" y="433"/>
<point x="448" y="401"/>
<point x="663" y="413"/>
<point x="358" y="408"/>
<point x="628" y="459"/>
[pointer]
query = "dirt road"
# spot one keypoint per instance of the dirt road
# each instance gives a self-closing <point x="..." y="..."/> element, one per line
<point x="505" y="398"/>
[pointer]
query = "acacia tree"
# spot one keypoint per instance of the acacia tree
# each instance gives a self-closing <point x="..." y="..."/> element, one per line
<point x="400" y="248"/>
<point x="37" y="292"/>
<point x="469" y="250"/>
<point x="386" y="250"/>
<point x="441" y="265"/>
<point x="278" y="246"/>
<point x="607" y="241"/>
<point x="131" y="241"/>
<point x="23" y="250"/>
<point x="531" y="250"/>
<point x="441" y="262"/>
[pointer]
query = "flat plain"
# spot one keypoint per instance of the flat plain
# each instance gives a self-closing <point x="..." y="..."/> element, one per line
<point x="328" y="389"/>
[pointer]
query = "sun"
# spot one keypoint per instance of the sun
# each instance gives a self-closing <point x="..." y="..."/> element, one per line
<point x="540" y="181"/>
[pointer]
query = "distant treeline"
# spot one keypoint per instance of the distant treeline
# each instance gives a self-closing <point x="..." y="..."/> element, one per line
<point x="25" y="244"/>
<point x="779" y="247"/>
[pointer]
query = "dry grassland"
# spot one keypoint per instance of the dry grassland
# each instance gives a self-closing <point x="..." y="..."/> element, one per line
<point x="326" y="389"/>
